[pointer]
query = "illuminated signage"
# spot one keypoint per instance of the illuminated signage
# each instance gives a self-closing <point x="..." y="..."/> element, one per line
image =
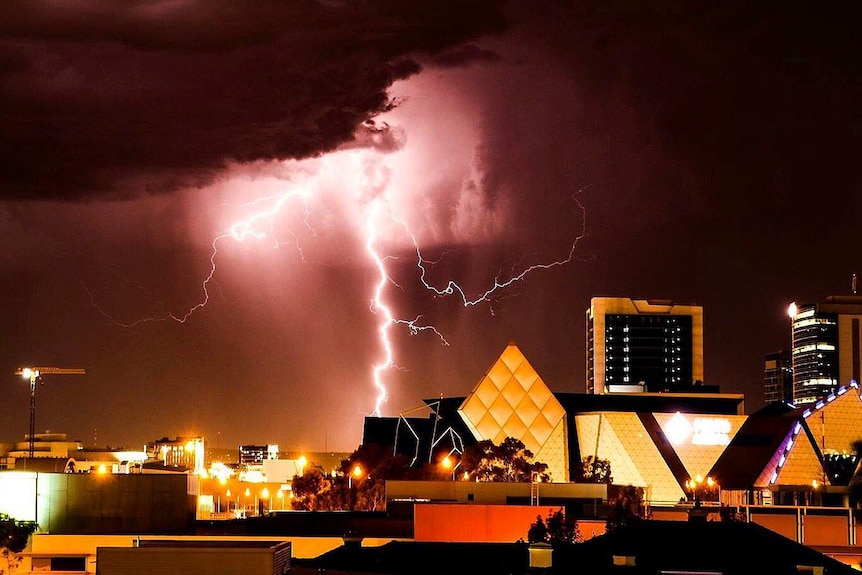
<point x="698" y="430"/>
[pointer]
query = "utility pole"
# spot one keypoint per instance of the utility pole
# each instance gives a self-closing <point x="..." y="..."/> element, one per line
<point x="34" y="374"/>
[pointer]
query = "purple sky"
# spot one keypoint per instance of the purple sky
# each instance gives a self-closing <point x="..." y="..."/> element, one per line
<point x="700" y="153"/>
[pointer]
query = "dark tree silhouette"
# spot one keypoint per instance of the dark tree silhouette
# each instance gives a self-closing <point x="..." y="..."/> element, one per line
<point x="508" y="462"/>
<point x="14" y="535"/>
<point x="558" y="528"/>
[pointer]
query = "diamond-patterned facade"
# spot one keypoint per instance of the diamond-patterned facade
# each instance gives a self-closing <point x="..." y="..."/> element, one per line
<point x="710" y="434"/>
<point x="835" y="425"/>
<point x="511" y="400"/>
<point x="555" y="453"/>
<point x="620" y="438"/>
<point x="801" y="466"/>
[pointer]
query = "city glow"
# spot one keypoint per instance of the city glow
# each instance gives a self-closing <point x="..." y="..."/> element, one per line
<point x="221" y="471"/>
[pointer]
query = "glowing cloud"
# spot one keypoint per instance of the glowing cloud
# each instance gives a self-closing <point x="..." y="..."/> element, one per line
<point x="355" y="191"/>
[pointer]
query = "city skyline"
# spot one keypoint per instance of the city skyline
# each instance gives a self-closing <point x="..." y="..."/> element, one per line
<point x="699" y="155"/>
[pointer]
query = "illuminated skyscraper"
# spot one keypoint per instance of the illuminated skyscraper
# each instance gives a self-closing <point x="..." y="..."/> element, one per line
<point x="637" y="346"/>
<point x="826" y="347"/>
<point x="778" y="377"/>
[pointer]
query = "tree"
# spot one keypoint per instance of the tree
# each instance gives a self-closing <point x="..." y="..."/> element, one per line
<point x="558" y="528"/>
<point x="626" y="507"/>
<point x="595" y="470"/>
<point x="14" y="535"/>
<point x="359" y="485"/>
<point x="563" y="528"/>
<point x="538" y="531"/>
<point x="508" y="462"/>
<point x="309" y="490"/>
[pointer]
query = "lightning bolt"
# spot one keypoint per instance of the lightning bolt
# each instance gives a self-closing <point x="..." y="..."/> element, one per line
<point x="379" y="306"/>
<point x="452" y="288"/>
<point x="377" y="211"/>
<point x="239" y="231"/>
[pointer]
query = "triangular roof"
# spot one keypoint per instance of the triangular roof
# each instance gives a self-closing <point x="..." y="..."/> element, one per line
<point x="754" y="446"/>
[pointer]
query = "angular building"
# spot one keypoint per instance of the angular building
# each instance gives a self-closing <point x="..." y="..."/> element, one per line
<point x="658" y="441"/>
<point x="636" y="346"/>
<point x="826" y="346"/>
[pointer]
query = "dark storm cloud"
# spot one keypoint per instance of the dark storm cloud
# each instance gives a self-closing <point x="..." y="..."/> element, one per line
<point x="120" y="98"/>
<point x="462" y="55"/>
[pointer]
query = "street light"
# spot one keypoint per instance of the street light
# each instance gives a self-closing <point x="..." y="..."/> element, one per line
<point x="264" y="495"/>
<point x="357" y="473"/>
<point x="447" y="464"/>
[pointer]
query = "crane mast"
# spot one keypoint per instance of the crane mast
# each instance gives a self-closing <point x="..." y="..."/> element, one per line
<point x="34" y="374"/>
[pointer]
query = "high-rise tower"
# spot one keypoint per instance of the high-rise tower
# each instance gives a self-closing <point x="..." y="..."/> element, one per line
<point x="778" y="377"/>
<point x="826" y="347"/>
<point x="643" y="346"/>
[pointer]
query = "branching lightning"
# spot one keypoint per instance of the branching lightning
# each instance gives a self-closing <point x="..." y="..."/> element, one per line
<point x="378" y="305"/>
<point x="452" y="288"/>
<point x="376" y="211"/>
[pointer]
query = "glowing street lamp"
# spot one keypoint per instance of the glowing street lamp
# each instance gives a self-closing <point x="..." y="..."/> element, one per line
<point x="448" y="464"/>
<point x="265" y="496"/>
<point x="355" y="472"/>
<point x="302" y="462"/>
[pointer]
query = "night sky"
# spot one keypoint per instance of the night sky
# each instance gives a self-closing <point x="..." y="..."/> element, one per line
<point x="706" y="153"/>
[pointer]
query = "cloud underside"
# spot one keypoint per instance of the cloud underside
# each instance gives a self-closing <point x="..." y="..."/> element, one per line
<point x="116" y="99"/>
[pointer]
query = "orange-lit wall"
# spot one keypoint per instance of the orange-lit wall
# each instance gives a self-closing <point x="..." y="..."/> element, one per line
<point x="589" y="528"/>
<point x="783" y="524"/>
<point x="826" y="530"/>
<point x="476" y="523"/>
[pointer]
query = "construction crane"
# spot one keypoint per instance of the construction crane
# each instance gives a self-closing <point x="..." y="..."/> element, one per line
<point x="34" y="374"/>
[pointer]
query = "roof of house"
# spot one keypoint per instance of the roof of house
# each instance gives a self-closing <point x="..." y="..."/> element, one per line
<point x="648" y="547"/>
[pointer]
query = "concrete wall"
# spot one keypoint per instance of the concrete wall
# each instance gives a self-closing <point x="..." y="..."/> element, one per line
<point x="188" y="561"/>
<point x="89" y="503"/>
